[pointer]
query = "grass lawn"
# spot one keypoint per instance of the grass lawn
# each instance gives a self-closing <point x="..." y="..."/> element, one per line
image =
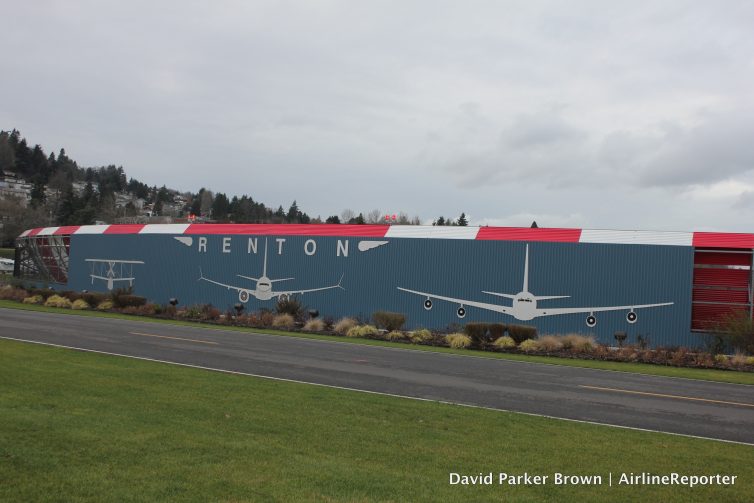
<point x="86" y="427"/>
<point x="639" y="368"/>
<point x="7" y="253"/>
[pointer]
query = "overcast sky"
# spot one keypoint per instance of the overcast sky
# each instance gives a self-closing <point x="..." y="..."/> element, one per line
<point x="627" y="115"/>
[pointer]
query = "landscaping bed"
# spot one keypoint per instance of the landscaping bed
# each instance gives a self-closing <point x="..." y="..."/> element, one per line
<point x="290" y="315"/>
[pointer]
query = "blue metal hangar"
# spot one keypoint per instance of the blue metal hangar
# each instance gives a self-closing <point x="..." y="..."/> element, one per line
<point x="668" y="287"/>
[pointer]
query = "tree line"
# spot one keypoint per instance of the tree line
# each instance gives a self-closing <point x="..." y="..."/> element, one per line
<point x="64" y="193"/>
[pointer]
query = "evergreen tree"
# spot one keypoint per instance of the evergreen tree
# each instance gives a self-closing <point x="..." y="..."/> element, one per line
<point x="293" y="214"/>
<point x="69" y="204"/>
<point x="462" y="220"/>
<point x="37" y="194"/>
<point x="220" y="207"/>
<point x="332" y="220"/>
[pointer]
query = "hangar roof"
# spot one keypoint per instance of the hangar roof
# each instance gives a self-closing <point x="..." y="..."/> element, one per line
<point x="562" y="235"/>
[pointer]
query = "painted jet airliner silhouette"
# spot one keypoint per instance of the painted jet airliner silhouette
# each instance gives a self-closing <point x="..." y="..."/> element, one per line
<point x="524" y="305"/>
<point x="263" y="288"/>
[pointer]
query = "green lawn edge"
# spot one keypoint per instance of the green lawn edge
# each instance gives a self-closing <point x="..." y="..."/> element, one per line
<point x="90" y="427"/>
<point x="716" y="375"/>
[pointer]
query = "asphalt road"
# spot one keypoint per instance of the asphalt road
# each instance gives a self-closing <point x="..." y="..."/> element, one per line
<point x="685" y="406"/>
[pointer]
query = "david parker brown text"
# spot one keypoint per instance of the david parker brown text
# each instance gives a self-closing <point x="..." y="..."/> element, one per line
<point x="563" y="479"/>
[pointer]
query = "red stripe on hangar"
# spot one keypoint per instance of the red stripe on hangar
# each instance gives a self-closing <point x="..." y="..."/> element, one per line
<point x="529" y="234"/>
<point x="66" y="230"/>
<point x="124" y="229"/>
<point x="290" y="229"/>
<point x="723" y="240"/>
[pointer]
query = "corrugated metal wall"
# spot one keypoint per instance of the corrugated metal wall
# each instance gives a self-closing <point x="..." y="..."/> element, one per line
<point x="593" y="275"/>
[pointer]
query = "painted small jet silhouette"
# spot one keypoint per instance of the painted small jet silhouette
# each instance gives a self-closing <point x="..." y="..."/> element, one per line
<point x="263" y="289"/>
<point x="111" y="276"/>
<point x="524" y="305"/>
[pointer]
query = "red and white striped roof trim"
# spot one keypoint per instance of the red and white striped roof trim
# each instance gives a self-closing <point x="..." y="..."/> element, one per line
<point x="667" y="238"/>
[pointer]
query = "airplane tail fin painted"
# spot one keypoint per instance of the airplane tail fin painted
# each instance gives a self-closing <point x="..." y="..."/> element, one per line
<point x="264" y="270"/>
<point x="526" y="271"/>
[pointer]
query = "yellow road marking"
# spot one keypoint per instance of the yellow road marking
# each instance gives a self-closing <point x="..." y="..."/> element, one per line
<point x="678" y="397"/>
<point x="168" y="337"/>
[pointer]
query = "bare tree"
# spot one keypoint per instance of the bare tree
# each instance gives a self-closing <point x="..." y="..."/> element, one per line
<point x="15" y="218"/>
<point x="347" y="215"/>
<point x="207" y="200"/>
<point x="374" y="217"/>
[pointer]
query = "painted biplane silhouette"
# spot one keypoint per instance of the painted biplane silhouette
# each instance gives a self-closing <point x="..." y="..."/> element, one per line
<point x="112" y="270"/>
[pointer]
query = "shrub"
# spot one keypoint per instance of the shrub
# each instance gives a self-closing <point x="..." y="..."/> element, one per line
<point x="642" y="341"/>
<point x="505" y="342"/>
<point x="80" y="304"/>
<point x="105" y="305"/>
<point x="94" y="298"/>
<point x="344" y="325"/>
<point x="362" y="331"/>
<point x="737" y="329"/>
<point x="750" y="360"/>
<point x="738" y="360"/>
<point x="34" y="299"/>
<point x="251" y="320"/>
<point x="191" y="312"/>
<point x="389" y="321"/>
<point x="128" y="300"/>
<point x="484" y="333"/>
<point x="10" y="293"/>
<point x="458" y="340"/>
<point x="550" y="343"/>
<point x="45" y="293"/>
<point x="368" y="330"/>
<point x="520" y="333"/>
<point x="72" y="296"/>
<point x="420" y="336"/>
<point x="703" y="360"/>
<point x="283" y="320"/>
<point x="169" y="311"/>
<point x="578" y="343"/>
<point x="148" y="309"/>
<point x="395" y="336"/>
<point x="528" y="345"/>
<point x="210" y="313"/>
<point x="721" y="359"/>
<point x="680" y="357"/>
<point x="58" y="301"/>
<point x="290" y="305"/>
<point x="314" y="325"/>
<point x="265" y="319"/>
